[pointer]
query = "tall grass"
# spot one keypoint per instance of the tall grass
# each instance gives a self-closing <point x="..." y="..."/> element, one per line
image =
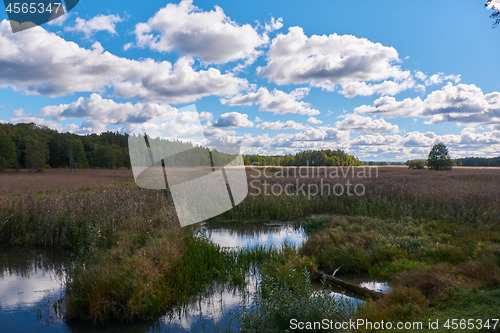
<point x="286" y="293"/>
<point x="382" y="248"/>
<point x="143" y="276"/>
<point x="463" y="195"/>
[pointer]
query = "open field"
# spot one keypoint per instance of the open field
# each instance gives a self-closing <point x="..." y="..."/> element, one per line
<point x="435" y="235"/>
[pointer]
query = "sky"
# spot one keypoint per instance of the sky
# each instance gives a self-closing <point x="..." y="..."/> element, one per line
<point x="382" y="80"/>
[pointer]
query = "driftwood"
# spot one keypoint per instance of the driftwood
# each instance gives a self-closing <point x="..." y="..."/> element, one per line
<point x="361" y="291"/>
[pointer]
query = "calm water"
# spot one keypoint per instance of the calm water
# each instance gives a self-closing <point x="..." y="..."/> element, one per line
<point x="32" y="285"/>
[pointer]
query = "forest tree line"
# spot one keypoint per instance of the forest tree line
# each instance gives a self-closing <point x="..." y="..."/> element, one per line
<point x="33" y="147"/>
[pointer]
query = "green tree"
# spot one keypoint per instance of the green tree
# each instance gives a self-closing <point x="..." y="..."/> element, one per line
<point x="7" y="151"/>
<point x="415" y="164"/>
<point x="439" y="159"/>
<point x="36" y="154"/>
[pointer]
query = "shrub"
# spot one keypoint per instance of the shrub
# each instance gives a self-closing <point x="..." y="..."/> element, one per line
<point x="416" y="164"/>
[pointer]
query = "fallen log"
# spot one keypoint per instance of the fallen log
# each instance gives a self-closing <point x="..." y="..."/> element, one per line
<point x="358" y="290"/>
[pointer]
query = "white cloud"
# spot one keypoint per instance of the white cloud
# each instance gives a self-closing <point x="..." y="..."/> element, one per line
<point x="233" y="120"/>
<point x="59" y="21"/>
<point x="36" y="120"/>
<point x="42" y="63"/>
<point x="217" y="132"/>
<point x="314" y="121"/>
<point x="365" y="125"/>
<point x="278" y="125"/>
<point x="357" y="88"/>
<point x="440" y="78"/>
<point x="180" y="83"/>
<point x="494" y="4"/>
<point x="96" y="24"/>
<point x="97" y="113"/>
<point x="105" y="111"/>
<point x="419" y="75"/>
<point x="204" y="115"/>
<point x="210" y="35"/>
<point x="18" y="112"/>
<point x="389" y="107"/>
<point x="276" y="101"/>
<point x="462" y="104"/>
<point x="389" y="147"/>
<point x="417" y="144"/>
<point x="274" y="24"/>
<point x="327" y="61"/>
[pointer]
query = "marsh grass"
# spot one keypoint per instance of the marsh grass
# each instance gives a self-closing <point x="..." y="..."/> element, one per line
<point x="382" y="248"/>
<point x="143" y="276"/>
<point x="137" y="261"/>
<point x="286" y="292"/>
<point x="431" y="264"/>
<point x="464" y="195"/>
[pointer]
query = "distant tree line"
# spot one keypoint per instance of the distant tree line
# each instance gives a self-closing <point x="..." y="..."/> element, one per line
<point x="381" y="163"/>
<point x="33" y="147"/>
<point x="466" y="162"/>
<point x="478" y="161"/>
<point x="326" y="157"/>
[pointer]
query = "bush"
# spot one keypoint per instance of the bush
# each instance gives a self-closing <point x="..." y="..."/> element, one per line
<point x="416" y="164"/>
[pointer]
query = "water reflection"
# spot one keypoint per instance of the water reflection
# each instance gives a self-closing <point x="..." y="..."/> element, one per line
<point x="382" y="287"/>
<point x="213" y="312"/>
<point x="33" y="282"/>
<point x="236" y="235"/>
<point x="31" y="285"/>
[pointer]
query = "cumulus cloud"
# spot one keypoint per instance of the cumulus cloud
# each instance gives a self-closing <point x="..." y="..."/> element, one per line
<point x="97" y="113"/>
<point x="180" y="83"/>
<point x="493" y="4"/>
<point x="314" y="121"/>
<point x="18" y="112"/>
<point x="274" y="24"/>
<point x="440" y="78"/>
<point x="278" y="125"/>
<point x="105" y="111"/>
<point x="209" y="35"/>
<point x="395" y="147"/>
<point x="96" y="24"/>
<point x="366" y="125"/>
<point x="37" y="120"/>
<point x="309" y="138"/>
<point x="358" y="88"/>
<point x="276" y="101"/>
<point x="233" y="120"/>
<point x="42" y="63"/>
<point x="462" y="103"/>
<point x="389" y="107"/>
<point x="417" y="144"/>
<point x="327" y="61"/>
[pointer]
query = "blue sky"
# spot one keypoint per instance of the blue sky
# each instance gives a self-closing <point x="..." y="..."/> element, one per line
<point x="383" y="80"/>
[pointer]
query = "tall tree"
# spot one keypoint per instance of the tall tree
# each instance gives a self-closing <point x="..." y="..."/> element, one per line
<point x="439" y="158"/>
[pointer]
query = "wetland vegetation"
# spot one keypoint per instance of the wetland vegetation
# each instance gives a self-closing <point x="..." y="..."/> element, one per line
<point x="435" y="236"/>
